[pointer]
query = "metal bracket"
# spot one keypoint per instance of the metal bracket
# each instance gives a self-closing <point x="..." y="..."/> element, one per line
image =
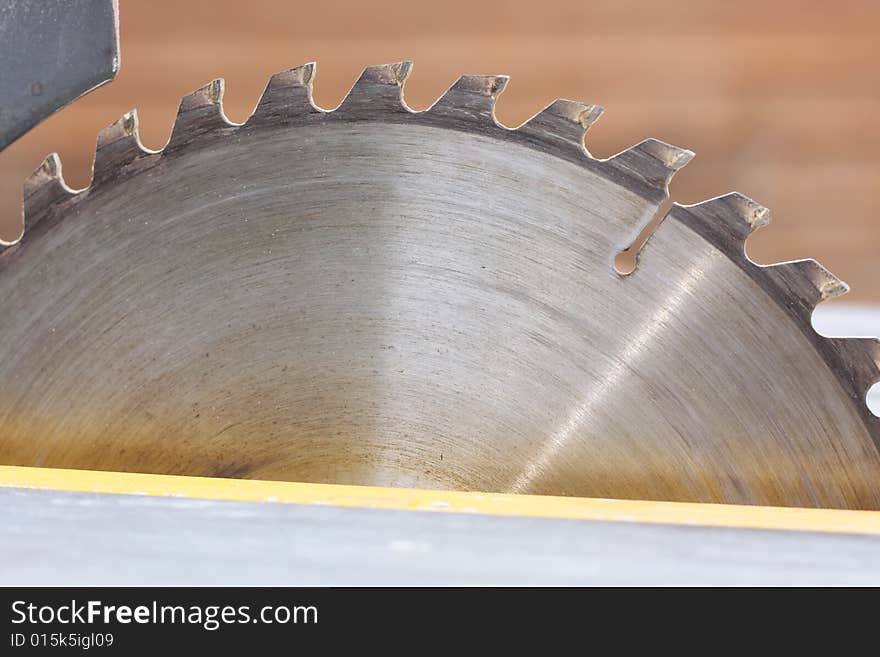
<point x="51" y="53"/>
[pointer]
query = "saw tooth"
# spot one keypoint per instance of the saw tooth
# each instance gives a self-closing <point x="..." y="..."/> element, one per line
<point x="805" y="284"/>
<point x="43" y="189"/>
<point x="379" y="88"/>
<point x="726" y="221"/>
<point x="562" y="120"/>
<point x="653" y="162"/>
<point x="471" y="98"/>
<point x="200" y="113"/>
<point x="288" y="95"/>
<point x="118" y="144"/>
<point x="822" y="283"/>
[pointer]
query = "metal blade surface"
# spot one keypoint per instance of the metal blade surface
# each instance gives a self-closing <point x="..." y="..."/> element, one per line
<point x="377" y="296"/>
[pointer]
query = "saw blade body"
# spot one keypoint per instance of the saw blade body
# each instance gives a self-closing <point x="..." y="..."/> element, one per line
<point x="377" y="296"/>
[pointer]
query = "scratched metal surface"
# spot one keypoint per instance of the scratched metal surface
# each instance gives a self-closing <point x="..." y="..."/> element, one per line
<point x="62" y="538"/>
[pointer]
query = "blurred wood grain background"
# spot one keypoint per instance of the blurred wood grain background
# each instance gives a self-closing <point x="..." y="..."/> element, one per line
<point x="780" y="100"/>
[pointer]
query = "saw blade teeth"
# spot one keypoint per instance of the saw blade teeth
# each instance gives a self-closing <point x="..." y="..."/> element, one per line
<point x="798" y="286"/>
<point x="43" y="189"/>
<point x="563" y="120"/>
<point x="726" y="221"/>
<point x="652" y="161"/>
<point x="379" y="88"/>
<point x="823" y="283"/>
<point x="118" y="144"/>
<point x="288" y="94"/>
<point x="471" y="98"/>
<point x="200" y="113"/>
<point x="805" y="284"/>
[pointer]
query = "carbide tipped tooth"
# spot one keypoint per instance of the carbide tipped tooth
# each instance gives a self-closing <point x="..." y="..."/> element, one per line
<point x="472" y="98"/>
<point x="48" y="172"/>
<point x="200" y="112"/>
<point x="652" y="161"/>
<point x="379" y="88"/>
<point x="825" y="284"/>
<point x="805" y="284"/>
<point x="43" y="189"/>
<point x="288" y="95"/>
<point x="118" y="144"/>
<point x="562" y="120"/>
<point x="726" y="221"/>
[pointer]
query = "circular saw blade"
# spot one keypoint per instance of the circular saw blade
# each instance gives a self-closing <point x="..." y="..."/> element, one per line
<point x="373" y="295"/>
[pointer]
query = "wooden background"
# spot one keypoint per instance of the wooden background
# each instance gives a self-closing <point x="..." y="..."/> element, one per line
<point x="780" y="100"/>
